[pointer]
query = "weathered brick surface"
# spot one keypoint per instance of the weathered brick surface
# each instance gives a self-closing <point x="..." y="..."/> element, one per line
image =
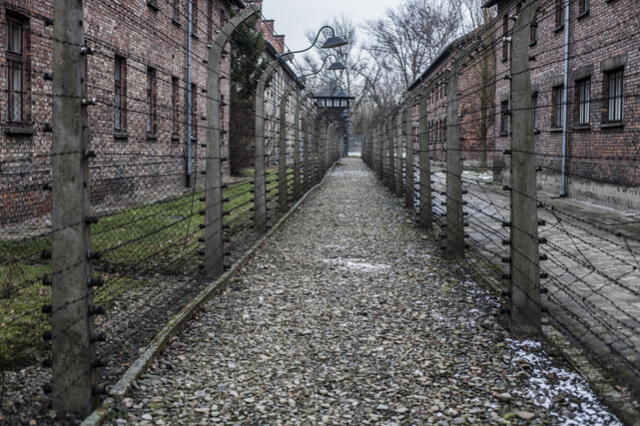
<point x="607" y="36"/>
<point x="126" y="170"/>
<point x="470" y="112"/>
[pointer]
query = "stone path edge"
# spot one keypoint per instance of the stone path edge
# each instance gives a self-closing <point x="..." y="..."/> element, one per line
<point x="157" y="344"/>
<point x="561" y="346"/>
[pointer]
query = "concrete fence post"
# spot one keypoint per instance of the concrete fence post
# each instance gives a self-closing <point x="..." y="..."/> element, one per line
<point x="214" y="209"/>
<point x="260" y="181"/>
<point x="326" y="150"/>
<point x="307" y="152"/>
<point x="317" y="137"/>
<point x="297" y="135"/>
<point x="282" y="152"/>
<point x="408" y="140"/>
<point x="71" y="297"/>
<point x="380" y="151"/>
<point x="455" y="219"/>
<point x="390" y="154"/>
<point x="525" y="310"/>
<point x="425" y="216"/>
<point x="399" y="158"/>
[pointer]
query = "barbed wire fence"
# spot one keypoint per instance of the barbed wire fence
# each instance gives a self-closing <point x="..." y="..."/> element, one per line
<point x="480" y="195"/>
<point x="121" y="208"/>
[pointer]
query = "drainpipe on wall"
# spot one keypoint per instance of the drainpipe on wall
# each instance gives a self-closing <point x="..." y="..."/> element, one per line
<point x="189" y="103"/>
<point x="565" y="101"/>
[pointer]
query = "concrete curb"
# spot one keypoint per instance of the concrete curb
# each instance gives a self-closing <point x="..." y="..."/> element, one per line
<point x="155" y="347"/>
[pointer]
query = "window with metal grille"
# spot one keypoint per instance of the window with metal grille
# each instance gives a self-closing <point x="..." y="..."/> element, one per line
<point x="444" y="130"/>
<point x="534" y="109"/>
<point x="533" y="30"/>
<point x="17" y="68"/>
<point x="614" y="85"/>
<point x="194" y="111"/>
<point x="583" y="6"/>
<point x="556" y="107"/>
<point x="559" y="13"/>
<point x="504" y="118"/>
<point x="194" y="17"/>
<point x="152" y="99"/>
<point x="209" y="21"/>
<point x="176" y="10"/>
<point x="175" y="102"/>
<point x="505" y="34"/>
<point x="120" y="93"/>
<point x="583" y="101"/>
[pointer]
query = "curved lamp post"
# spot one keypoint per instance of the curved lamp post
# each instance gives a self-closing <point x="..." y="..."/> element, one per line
<point x="260" y="207"/>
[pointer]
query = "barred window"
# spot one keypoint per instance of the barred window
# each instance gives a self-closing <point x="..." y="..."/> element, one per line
<point x="120" y="93"/>
<point x="152" y="100"/>
<point x="444" y="130"/>
<point x="583" y="101"/>
<point x="18" y="68"/>
<point x="209" y="21"/>
<point x="176" y="10"/>
<point x="559" y="13"/>
<point x="533" y="30"/>
<point x="505" y="34"/>
<point x="504" y="118"/>
<point x="534" y="109"/>
<point x="194" y="17"/>
<point x="194" y="111"/>
<point x="556" y="107"/>
<point x="614" y="82"/>
<point x="583" y="6"/>
<point x="175" y="102"/>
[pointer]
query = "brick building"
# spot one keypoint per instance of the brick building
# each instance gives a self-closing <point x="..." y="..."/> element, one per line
<point x="598" y="128"/>
<point x="148" y="76"/>
<point x="475" y="104"/>
<point x="283" y="78"/>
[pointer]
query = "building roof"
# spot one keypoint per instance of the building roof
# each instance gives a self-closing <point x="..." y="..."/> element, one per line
<point x="238" y="3"/>
<point x="442" y="57"/>
<point x="285" y="65"/>
<point x="439" y="59"/>
<point x="490" y="3"/>
<point x="332" y="90"/>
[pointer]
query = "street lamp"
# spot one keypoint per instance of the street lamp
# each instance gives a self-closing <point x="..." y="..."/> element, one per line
<point x="336" y="66"/>
<point x="332" y="42"/>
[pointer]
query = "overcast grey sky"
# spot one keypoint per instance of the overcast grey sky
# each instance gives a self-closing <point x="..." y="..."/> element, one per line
<point x="294" y="17"/>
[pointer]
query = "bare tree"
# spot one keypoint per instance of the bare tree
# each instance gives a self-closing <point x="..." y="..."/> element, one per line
<point x="411" y="36"/>
<point x="473" y="14"/>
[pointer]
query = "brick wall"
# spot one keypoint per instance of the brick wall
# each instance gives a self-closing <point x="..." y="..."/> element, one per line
<point x="132" y="166"/>
<point x="436" y="80"/>
<point x="604" y="38"/>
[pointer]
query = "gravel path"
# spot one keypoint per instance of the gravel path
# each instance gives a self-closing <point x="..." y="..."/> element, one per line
<point x="347" y="316"/>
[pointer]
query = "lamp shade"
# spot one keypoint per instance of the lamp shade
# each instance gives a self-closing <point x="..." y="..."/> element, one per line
<point x="337" y="66"/>
<point x="334" y="42"/>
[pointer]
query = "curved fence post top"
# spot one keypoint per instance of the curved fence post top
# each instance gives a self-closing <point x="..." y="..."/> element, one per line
<point x="225" y="32"/>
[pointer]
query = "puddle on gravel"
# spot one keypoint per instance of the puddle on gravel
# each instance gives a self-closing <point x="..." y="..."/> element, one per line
<point x="358" y="265"/>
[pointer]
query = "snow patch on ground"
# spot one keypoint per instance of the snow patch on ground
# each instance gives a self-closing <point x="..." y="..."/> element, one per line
<point x="550" y="386"/>
<point x="358" y="265"/>
<point x="478" y="176"/>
